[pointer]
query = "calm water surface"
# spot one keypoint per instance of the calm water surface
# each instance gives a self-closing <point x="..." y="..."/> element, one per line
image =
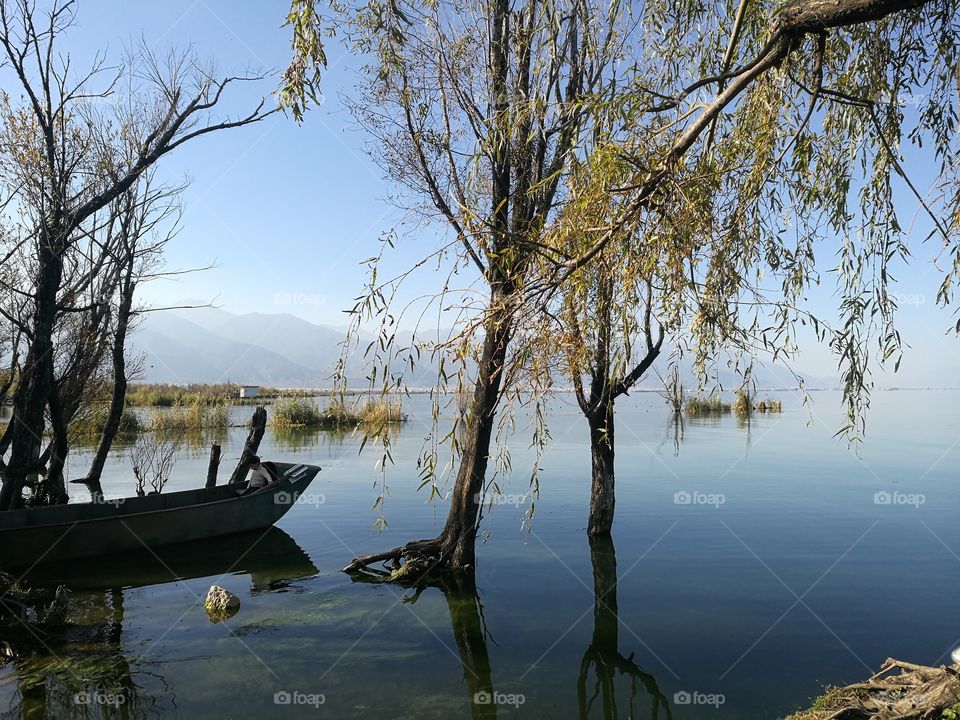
<point x="748" y="569"/>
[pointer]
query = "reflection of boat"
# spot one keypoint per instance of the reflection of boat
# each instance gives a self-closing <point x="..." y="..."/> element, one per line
<point x="66" y="532"/>
<point x="270" y="557"/>
<point x="87" y="658"/>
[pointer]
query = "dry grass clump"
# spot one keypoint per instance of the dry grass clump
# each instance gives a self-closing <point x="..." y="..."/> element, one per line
<point x="700" y="406"/>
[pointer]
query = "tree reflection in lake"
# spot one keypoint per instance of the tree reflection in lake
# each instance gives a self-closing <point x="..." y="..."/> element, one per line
<point x="603" y="655"/>
<point x="80" y="669"/>
<point x="469" y="630"/>
<point x="470" y="633"/>
<point x="674" y="433"/>
<point x="84" y="669"/>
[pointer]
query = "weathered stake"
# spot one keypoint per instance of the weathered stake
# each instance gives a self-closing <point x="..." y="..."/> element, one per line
<point x="258" y="426"/>
<point x="214" y="465"/>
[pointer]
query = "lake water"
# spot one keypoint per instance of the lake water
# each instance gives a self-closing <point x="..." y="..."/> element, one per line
<point x="748" y="569"/>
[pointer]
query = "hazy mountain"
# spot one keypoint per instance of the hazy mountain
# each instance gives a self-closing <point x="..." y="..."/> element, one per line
<point x="209" y="345"/>
<point x="310" y="346"/>
<point x="176" y="350"/>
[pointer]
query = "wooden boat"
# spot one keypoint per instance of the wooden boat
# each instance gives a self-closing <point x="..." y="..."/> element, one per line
<point x="32" y="536"/>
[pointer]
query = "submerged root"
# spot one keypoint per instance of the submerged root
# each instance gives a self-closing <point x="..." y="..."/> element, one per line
<point x="416" y="563"/>
<point x="917" y="691"/>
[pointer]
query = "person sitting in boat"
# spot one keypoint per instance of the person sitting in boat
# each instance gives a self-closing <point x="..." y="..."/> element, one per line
<point x="259" y="475"/>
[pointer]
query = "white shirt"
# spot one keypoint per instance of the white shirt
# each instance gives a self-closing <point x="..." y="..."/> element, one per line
<point x="259" y="478"/>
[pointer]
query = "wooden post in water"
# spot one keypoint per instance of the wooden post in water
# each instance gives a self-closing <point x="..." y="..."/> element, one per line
<point x="258" y="426"/>
<point x="214" y="465"/>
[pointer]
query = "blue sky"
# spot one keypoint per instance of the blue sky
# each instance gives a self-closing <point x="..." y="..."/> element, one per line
<point x="288" y="212"/>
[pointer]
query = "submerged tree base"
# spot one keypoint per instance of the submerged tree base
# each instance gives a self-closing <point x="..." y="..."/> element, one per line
<point x="418" y="563"/>
<point x="917" y="691"/>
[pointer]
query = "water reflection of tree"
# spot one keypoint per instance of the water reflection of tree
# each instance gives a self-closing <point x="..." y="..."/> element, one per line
<point x="603" y="654"/>
<point x="469" y="632"/>
<point x="80" y="670"/>
<point x="675" y="432"/>
<point x="86" y="656"/>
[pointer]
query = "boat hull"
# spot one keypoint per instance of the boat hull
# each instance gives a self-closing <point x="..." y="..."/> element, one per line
<point x="86" y="530"/>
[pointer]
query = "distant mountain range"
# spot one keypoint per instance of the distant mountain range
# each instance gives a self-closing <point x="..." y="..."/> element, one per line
<point x="209" y="345"/>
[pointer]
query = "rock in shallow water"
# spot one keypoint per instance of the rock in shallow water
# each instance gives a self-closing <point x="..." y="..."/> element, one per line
<point x="221" y="604"/>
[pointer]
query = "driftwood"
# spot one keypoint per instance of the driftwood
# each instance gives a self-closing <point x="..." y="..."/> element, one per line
<point x="214" y="465"/>
<point x="917" y="691"/>
<point x="258" y="426"/>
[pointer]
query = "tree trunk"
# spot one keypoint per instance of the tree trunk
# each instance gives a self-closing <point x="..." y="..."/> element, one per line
<point x="458" y="539"/>
<point x="213" y="465"/>
<point x="602" y="492"/>
<point x="36" y="381"/>
<point x="454" y="549"/>
<point x="258" y="426"/>
<point x="12" y="374"/>
<point x="119" y="397"/>
<point x="52" y="489"/>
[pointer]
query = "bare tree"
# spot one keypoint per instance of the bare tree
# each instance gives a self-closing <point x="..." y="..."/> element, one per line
<point x="68" y="162"/>
<point x="147" y="216"/>
<point x="153" y="456"/>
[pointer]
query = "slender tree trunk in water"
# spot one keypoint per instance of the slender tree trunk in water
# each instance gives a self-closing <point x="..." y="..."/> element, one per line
<point x="458" y="539"/>
<point x="599" y="412"/>
<point x="213" y="465"/>
<point x="36" y="383"/>
<point x="119" y="397"/>
<point x="599" y="406"/>
<point x="454" y="548"/>
<point x="52" y="489"/>
<point x="602" y="491"/>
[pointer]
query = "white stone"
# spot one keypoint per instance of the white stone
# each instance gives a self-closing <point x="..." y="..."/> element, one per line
<point x="221" y="603"/>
